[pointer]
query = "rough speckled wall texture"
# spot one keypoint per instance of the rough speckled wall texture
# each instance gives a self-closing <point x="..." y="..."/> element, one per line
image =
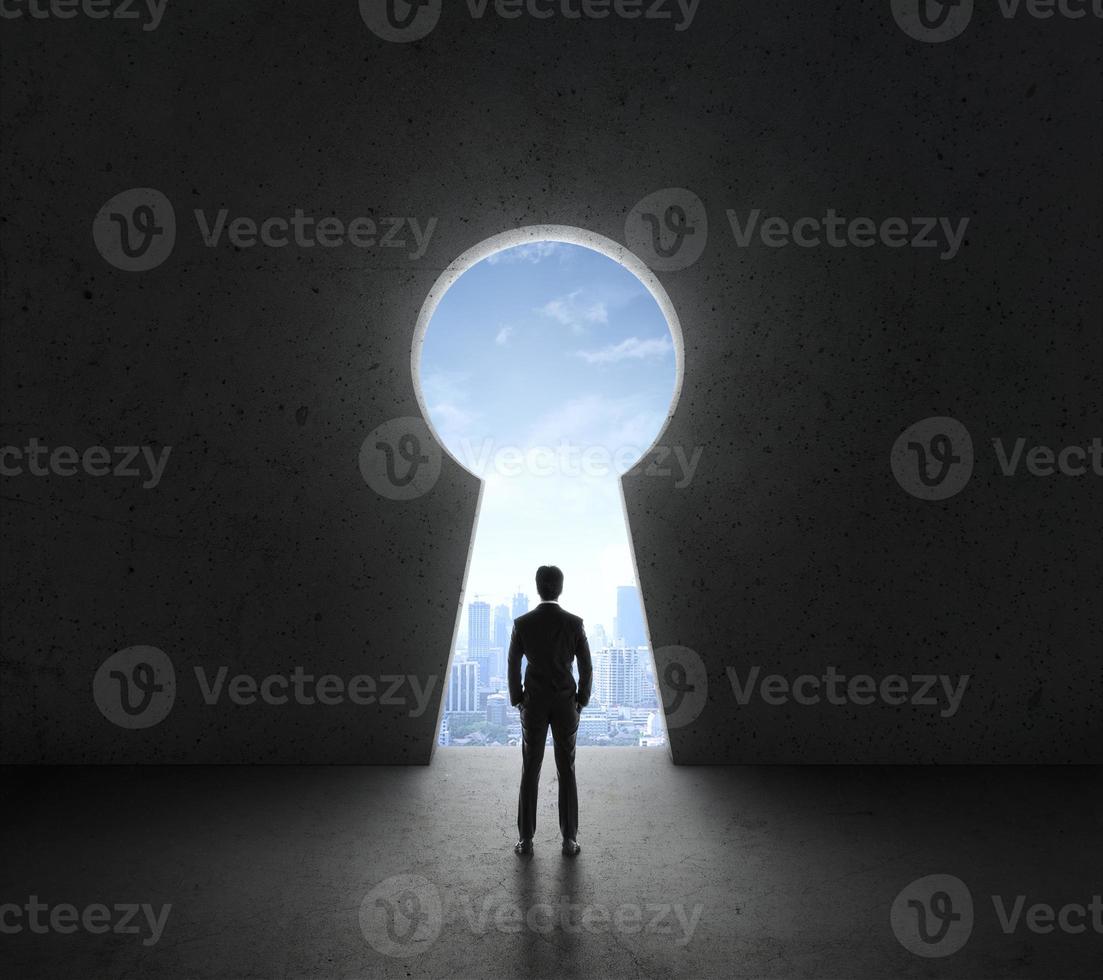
<point x="793" y="549"/>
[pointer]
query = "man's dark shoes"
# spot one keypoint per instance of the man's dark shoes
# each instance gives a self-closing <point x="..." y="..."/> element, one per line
<point x="570" y="848"/>
<point x="523" y="847"/>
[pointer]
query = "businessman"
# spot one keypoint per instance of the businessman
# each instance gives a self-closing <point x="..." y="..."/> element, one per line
<point x="550" y="638"/>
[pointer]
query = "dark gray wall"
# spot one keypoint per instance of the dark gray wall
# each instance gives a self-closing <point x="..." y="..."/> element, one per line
<point x="794" y="548"/>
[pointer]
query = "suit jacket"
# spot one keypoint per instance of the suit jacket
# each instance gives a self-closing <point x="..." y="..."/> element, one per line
<point x="550" y="638"/>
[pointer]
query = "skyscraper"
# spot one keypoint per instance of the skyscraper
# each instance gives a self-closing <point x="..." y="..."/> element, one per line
<point x="463" y="687"/>
<point x="503" y="629"/>
<point x="630" y="617"/>
<point x="478" y="638"/>
<point x="520" y="604"/>
<point x="618" y="677"/>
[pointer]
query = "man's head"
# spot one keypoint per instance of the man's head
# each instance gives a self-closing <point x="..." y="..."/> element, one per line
<point x="549" y="582"/>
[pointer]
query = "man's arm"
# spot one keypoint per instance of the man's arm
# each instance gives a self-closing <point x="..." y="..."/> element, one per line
<point x="516" y="651"/>
<point x="585" y="668"/>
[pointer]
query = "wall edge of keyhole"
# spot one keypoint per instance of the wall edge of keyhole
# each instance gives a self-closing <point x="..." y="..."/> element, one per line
<point x="567" y="235"/>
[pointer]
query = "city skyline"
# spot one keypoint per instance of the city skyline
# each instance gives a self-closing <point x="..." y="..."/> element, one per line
<point x="624" y="707"/>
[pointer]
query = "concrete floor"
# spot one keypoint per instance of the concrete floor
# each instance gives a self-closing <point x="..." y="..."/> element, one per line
<point x="276" y="872"/>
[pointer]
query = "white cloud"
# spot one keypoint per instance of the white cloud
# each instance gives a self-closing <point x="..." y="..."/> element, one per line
<point x="534" y="253"/>
<point x="631" y="349"/>
<point x="447" y="396"/>
<point x="504" y="336"/>
<point x="574" y="312"/>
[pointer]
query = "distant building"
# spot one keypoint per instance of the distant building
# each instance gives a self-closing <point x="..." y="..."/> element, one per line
<point x="463" y="688"/>
<point x="593" y="723"/>
<point x="597" y="637"/>
<point x="630" y="629"/>
<point x="478" y="638"/>
<point x="497" y="707"/>
<point x="520" y="604"/>
<point x="499" y="640"/>
<point x="655" y="726"/>
<point x="618" y="677"/>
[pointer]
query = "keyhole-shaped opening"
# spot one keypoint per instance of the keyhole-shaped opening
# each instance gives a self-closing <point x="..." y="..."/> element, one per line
<point x="547" y="362"/>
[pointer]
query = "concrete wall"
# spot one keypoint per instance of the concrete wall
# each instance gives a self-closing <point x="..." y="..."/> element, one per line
<point x="263" y="548"/>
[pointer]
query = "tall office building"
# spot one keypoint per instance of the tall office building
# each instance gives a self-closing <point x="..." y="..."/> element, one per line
<point x="618" y="677"/>
<point x="463" y="687"/>
<point x="520" y="604"/>
<point x="629" y="626"/>
<point x="503" y="629"/>
<point x="478" y="638"/>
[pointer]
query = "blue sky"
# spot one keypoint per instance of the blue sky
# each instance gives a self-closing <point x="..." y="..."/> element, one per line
<point x="547" y="370"/>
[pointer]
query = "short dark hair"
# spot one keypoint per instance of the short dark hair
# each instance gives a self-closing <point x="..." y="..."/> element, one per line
<point x="549" y="582"/>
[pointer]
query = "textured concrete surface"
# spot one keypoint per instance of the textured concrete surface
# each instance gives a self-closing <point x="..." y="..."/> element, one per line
<point x="780" y="872"/>
<point x="264" y="369"/>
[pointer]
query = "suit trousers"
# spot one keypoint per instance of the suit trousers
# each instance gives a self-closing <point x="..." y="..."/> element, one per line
<point x="539" y="710"/>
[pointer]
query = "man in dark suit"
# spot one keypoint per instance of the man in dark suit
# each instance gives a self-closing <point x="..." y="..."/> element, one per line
<point x="550" y="638"/>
